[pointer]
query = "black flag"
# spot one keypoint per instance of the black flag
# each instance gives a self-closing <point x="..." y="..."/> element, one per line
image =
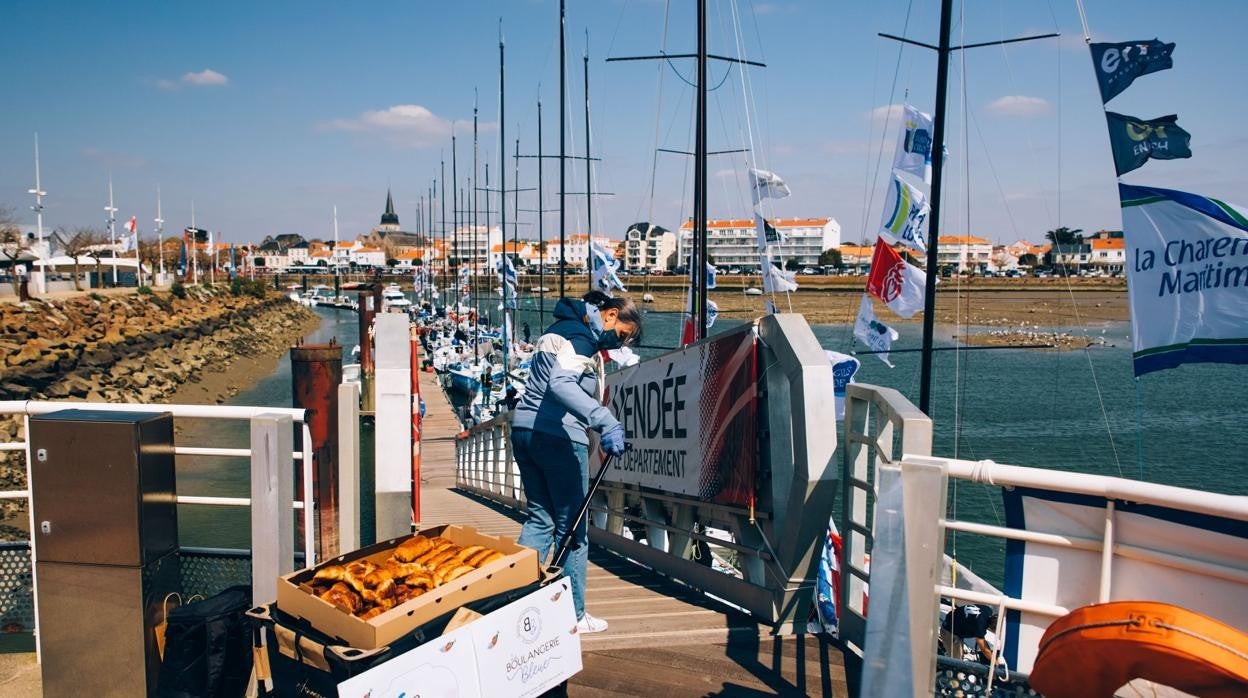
<point x="1118" y="65"/>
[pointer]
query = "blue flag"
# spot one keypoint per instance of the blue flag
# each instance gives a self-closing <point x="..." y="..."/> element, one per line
<point x="1118" y="65"/>
<point x="1134" y="141"/>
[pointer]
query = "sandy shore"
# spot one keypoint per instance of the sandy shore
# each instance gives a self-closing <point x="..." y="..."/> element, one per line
<point x="1041" y="307"/>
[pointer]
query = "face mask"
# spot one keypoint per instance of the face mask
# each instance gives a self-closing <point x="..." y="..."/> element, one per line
<point x="609" y="340"/>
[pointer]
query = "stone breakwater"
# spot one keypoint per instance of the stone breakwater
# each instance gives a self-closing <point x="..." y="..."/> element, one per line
<point x="136" y="348"/>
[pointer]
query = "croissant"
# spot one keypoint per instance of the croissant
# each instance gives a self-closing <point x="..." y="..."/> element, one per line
<point x="372" y="613"/>
<point x="338" y="573"/>
<point x="450" y="572"/>
<point x="420" y="579"/>
<point x="412" y="548"/>
<point x="468" y="552"/>
<point x="405" y="593"/>
<point x="341" y="596"/>
<point x="403" y="569"/>
<point x="434" y="551"/>
<point x="377" y="577"/>
<point x="384" y="592"/>
<point x="485" y="557"/>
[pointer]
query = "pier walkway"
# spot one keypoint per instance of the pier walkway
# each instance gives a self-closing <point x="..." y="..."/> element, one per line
<point x="665" y="639"/>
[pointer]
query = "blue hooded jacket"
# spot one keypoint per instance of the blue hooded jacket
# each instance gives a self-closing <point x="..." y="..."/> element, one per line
<point x="560" y="396"/>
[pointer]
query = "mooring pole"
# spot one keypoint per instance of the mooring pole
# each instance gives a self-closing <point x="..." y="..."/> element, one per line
<point x="416" y="419"/>
<point x="316" y="373"/>
<point x="366" y="325"/>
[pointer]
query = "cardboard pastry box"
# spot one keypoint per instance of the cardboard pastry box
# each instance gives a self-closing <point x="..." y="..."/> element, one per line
<point x="518" y="567"/>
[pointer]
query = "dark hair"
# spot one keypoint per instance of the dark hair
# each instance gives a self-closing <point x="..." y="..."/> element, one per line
<point x="628" y="311"/>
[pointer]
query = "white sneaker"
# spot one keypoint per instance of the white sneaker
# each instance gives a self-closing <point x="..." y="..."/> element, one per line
<point x="590" y="624"/>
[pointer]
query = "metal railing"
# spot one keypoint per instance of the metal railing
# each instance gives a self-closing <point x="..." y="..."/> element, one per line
<point x="888" y="444"/>
<point x="765" y="559"/>
<point x="272" y="454"/>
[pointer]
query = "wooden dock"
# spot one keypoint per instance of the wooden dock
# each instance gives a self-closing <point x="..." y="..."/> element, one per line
<point x="665" y="639"/>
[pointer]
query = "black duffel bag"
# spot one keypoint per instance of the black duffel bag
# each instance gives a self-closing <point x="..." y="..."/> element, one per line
<point x="208" y="648"/>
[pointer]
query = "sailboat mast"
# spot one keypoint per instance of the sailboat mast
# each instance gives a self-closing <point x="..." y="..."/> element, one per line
<point x="502" y="200"/>
<point x="699" y="176"/>
<point x="933" y="237"/>
<point x="589" y="182"/>
<point x="455" y="196"/>
<point x="446" y="258"/>
<point x="563" y="137"/>
<point x="160" y="233"/>
<point x="474" y="192"/>
<point x="541" y="231"/>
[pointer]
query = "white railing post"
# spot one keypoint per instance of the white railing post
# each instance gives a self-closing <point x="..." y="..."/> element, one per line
<point x="272" y="499"/>
<point x="393" y="457"/>
<point x="348" y="467"/>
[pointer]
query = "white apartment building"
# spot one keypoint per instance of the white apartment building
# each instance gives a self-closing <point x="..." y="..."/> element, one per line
<point x="734" y="243"/>
<point x="648" y="247"/>
<point x="576" y="251"/>
<point x="963" y="253"/>
<point x="474" y="245"/>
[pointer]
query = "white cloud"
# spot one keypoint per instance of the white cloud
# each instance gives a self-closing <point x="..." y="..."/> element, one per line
<point x="1020" y="105"/>
<point x="204" y="78"/>
<point x="403" y="124"/>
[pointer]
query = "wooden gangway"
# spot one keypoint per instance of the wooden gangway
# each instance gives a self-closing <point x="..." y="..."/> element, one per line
<point x="665" y="638"/>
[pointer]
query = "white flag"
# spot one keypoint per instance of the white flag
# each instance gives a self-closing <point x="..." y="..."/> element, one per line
<point x="903" y="220"/>
<point x="900" y="285"/>
<point x="844" y="367"/>
<point x="712" y="312"/>
<point x="132" y="225"/>
<point x="876" y="335"/>
<point x="605" y="266"/>
<point x="914" y="144"/>
<point x="777" y="280"/>
<point x="767" y="185"/>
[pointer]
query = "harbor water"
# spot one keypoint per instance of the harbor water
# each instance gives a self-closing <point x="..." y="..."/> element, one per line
<point x="1070" y="410"/>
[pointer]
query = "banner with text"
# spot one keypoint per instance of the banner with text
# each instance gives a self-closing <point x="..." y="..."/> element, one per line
<point x="1187" y="274"/>
<point x="691" y="417"/>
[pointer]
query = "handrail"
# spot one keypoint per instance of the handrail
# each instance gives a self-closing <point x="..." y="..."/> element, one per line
<point x="273" y="556"/>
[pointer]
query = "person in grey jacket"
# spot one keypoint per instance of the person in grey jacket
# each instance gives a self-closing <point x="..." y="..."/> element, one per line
<point x="550" y="439"/>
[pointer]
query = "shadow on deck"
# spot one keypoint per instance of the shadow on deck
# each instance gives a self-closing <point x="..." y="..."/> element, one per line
<point x="665" y="638"/>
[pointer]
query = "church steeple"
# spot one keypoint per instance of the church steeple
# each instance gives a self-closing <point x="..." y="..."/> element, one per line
<point x="389" y="217"/>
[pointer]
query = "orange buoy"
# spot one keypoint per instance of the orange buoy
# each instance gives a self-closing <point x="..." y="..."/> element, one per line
<point x="1095" y="650"/>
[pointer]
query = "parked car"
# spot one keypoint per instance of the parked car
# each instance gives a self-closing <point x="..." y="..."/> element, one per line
<point x="809" y="271"/>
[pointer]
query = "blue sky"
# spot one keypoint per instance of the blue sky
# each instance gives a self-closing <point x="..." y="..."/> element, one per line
<point x="268" y="114"/>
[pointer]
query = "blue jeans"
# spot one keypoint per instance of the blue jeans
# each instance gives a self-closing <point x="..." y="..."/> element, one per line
<point x="555" y="474"/>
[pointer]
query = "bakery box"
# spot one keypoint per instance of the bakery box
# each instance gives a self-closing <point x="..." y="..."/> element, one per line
<point x="518" y="567"/>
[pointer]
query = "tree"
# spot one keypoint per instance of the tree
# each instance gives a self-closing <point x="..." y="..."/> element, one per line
<point x="830" y="257"/>
<point x="671" y="261"/>
<point x="12" y="241"/>
<point x="1028" y="260"/>
<point x="151" y="252"/>
<point x="78" y="245"/>
<point x="95" y="250"/>
<point x="1064" y="236"/>
<point x="792" y="264"/>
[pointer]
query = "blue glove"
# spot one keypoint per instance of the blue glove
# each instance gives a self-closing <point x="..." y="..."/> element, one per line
<point x="613" y="439"/>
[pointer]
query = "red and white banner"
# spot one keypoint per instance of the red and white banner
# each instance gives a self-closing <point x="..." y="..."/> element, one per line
<point x="900" y="285"/>
<point x="691" y="417"/>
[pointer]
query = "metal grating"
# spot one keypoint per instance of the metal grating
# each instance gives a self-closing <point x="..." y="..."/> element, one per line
<point x="960" y="678"/>
<point x="17" y="601"/>
<point x="207" y="572"/>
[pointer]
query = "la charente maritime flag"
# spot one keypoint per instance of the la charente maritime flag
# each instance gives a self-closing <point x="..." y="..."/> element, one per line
<point x="903" y="219"/>
<point x="1187" y="273"/>
<point x="1134" y="141"/>
<point x="1118" y="65"/>
<point x="876" y="335"/>
<point x="914" y="145"/>
<point x="900" y="285"/>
